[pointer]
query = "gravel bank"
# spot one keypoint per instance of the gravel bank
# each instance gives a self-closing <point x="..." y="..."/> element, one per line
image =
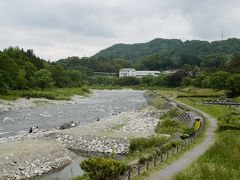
<point x="29" y="155"/>
<point x="23" y="103"/>
<point x="27" y="158"/>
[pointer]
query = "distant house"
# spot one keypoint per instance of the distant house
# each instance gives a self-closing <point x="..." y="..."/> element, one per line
<point x="131" y="72"/>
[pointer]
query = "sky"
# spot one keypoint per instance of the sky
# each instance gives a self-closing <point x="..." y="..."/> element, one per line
<point x="57" y="29"/>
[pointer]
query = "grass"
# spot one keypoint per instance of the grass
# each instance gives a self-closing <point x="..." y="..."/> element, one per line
<point x="190" y="91"/>
<point x="214" y="110"/>
<point x="222" y="160"/>
<point x="177" y="156"/>
<point x="55" y="93"/>
<point x="141" y="144"/>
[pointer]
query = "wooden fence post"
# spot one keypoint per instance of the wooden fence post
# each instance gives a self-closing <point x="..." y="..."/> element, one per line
<point x="129" y="174"/>
<point x="117" y="178"/>
<point x="139" y="169"/>
<point x="147" y="164"/>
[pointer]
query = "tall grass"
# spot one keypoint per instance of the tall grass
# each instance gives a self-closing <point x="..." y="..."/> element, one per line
<point x="141" y="144"/>
<point x="221" y="161"/>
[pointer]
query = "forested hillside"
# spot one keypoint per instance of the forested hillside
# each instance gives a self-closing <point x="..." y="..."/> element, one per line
<point x="21" y="69"/>
<point x="159" y="54"/>
<point x="171" y="47"/>
<point x="199" y="63"/>
<point x="139" y="50"/>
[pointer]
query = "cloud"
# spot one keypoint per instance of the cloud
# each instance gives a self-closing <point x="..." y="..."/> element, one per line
<point x="60" y="28"/>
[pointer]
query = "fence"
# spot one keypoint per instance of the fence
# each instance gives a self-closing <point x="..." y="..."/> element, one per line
<point x="136" y="169"/>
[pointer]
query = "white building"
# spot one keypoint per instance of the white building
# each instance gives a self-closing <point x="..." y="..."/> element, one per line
<point x="131" y="72"/>
<point x="127" y="72"/>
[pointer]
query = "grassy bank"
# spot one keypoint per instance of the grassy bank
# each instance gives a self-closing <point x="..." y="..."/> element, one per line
<point x="222" y="160"/>
<point x="190" y="92"/>
<point x="55" y="93"/>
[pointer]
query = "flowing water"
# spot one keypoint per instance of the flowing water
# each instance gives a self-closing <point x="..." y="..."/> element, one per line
<point x="102" y="103"/>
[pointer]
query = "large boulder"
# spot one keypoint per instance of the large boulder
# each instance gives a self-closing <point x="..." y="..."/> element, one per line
<point x="68" y="125"/>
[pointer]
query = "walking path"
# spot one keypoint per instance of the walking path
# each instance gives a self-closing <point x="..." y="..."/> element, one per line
<point x="182" y="163"/>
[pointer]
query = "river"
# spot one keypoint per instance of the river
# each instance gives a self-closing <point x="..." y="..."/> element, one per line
<point x="100" y="104"/>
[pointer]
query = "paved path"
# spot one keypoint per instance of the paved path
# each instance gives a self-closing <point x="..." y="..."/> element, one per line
<point x="182" y="163"/>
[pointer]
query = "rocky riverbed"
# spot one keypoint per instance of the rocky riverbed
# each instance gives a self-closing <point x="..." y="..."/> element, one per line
<point x="37" y="153"/>
<point x="21" y="159"/>
<point x="24" y="103"/>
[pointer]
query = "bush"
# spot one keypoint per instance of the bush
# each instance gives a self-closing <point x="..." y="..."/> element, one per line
<point x="170" y="145"/>
<point x="149" y="157"/>
<point x="140" y="144"/>
<point x="169" y="126"/>
<point x="100" y="168"/>
<point x="159" y="152"/>
<point x="184" y="136"/>
<point x="188" y="131"/>
<point x="142" y="160"/>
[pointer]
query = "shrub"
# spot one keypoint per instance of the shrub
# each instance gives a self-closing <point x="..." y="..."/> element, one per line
<point x="170" y="145"/>
<point x="169" y="126"/>
<point x="100" y="168"/>
<point x="149" y="157"/>
<point x="173" y="112"/>
<point x="159" y="152"/>
<point x="142" y="160"/>
<point x="140" y="144"/>
<point x="157" y="102"/>
<point x="184" y="136"/>
<point x="188" y="131"/>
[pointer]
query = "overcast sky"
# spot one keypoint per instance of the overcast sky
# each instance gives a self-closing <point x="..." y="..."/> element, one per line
<point x="61" y="28"/>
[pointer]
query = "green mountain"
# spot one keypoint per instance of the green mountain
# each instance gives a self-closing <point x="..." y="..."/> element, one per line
<point x="173" y="47"/>
<point x="139" y="50"/>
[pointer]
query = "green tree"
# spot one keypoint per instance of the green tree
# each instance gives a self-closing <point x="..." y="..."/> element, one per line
<point x="233" y="84"/>
<point x="75" y="78"/>
<point x="219" y="80"/>
<point x="43" y="78"/>
<point x="11" y="69"/>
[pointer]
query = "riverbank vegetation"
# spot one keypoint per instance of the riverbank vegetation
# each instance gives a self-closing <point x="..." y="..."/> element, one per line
<point x="22" y="74"/>
<point x="101" y="168"/>
<point x="52" y="93"/>
<point x="23" y="70"/>
<point x="222" y="160"/>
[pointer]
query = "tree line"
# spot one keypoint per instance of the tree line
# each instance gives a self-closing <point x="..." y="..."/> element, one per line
<point x="21" y="69"/>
